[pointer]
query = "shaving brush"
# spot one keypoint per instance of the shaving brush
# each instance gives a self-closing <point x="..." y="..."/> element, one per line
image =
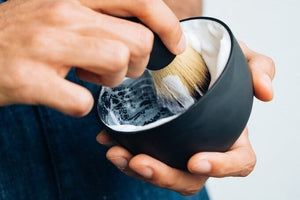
<point x="189" y="68"/>
<point x="179" y="80"/>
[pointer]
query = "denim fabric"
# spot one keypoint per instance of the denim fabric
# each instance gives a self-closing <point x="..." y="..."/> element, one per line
<point x="46" y="155"/>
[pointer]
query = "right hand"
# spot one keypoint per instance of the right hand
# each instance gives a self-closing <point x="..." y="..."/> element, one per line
<point x="40" y="40"/>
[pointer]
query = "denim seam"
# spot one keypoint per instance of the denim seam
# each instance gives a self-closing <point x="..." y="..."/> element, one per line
<point x="52" y="157"/>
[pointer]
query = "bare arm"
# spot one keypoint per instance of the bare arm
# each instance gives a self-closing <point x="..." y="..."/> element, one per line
<point x="191" y="8"/>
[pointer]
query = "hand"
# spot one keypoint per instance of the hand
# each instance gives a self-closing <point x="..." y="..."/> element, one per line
<point x="40" y="40"/>
<point x="263" y="72"/>
<point x="239" y="160"/>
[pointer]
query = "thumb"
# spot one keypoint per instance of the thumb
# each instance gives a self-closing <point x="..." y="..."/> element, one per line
<point x="238" y="161"/>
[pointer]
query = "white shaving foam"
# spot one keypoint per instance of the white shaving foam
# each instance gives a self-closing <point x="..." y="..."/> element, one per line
<point x="131" y="128"/>
<point x="212" y="41"/>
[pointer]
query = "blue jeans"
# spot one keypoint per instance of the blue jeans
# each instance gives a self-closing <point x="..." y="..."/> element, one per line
<point x="47" y="155"/>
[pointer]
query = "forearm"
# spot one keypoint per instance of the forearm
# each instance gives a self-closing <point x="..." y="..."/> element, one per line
<point x="185" y="8"/>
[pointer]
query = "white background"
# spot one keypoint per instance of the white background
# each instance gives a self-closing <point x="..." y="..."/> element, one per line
<point x="271" y="27"/>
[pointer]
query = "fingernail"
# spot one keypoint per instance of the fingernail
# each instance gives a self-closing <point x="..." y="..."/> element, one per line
<point x="120" y="163"/>
<point x="203" y="166"/>
<point x="182" y="44"/>
<point x="104" y="139"/>
<point x="146" y="172"/>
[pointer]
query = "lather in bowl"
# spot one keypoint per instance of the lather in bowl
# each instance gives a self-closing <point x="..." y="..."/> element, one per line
<point x="212" y="123"/>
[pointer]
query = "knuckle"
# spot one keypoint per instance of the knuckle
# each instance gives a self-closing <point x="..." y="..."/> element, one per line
<point x="39" y="38"/>
<point x="137" y="68"/>
<point x="144" y="41"/>
<point x="18" y="84"/>
<point x="59" y="11"/>
<point x="120" y="58"/>
<point x="60" y="7"/>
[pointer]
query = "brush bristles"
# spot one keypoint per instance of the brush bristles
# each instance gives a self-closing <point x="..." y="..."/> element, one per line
<point x="190" y="68"/>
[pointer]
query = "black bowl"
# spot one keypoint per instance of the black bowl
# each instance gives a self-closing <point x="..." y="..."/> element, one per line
<point x="213" y="123"/>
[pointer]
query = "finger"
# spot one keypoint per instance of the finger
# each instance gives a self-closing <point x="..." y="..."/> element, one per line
<point x="63" y="95"/>
<point x="137" y="38"/>
<point x="268" y="67"/>
<point x="263" y="88"/>
<point x="155" y="14"/>
<point x="104" y="79"/>
<point x="120" y="157"/>
<point x="161" y="175"/>
<point x="238" y="161"/>
<point x="147" y="169"/>
<point x="107" y="58"/>
<point x="109" y="40"/>
<point x="263" y="72"/>
<point x="104" y="138"/>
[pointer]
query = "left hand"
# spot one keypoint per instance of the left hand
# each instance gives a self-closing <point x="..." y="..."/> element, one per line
<point x="239" y="160"/>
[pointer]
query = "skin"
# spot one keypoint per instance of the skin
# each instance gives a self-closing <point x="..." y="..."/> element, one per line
<point x="239" y="160"/>
<point x="40" y="40"/>
<point x="191" y="8"/>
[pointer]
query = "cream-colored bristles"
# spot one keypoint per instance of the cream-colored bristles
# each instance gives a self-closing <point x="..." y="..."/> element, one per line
<point x="190" y="68"/>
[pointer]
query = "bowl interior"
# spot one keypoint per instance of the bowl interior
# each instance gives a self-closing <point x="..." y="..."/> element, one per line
<point x="134" y="106"/>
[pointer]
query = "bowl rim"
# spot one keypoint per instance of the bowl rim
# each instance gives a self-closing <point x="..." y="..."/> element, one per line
<point x="203" y="98"/>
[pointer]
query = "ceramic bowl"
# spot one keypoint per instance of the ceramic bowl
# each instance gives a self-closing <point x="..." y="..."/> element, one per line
<point x="212" y="123"/>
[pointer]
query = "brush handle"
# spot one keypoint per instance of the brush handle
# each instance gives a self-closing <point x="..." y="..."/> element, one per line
<point x="160" y="56"/>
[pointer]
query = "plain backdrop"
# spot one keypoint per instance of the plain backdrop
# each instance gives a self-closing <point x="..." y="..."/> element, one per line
<point x="271" y="27"/>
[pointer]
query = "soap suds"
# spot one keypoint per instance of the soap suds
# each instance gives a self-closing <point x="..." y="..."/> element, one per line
<point x="213" y="42"/>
